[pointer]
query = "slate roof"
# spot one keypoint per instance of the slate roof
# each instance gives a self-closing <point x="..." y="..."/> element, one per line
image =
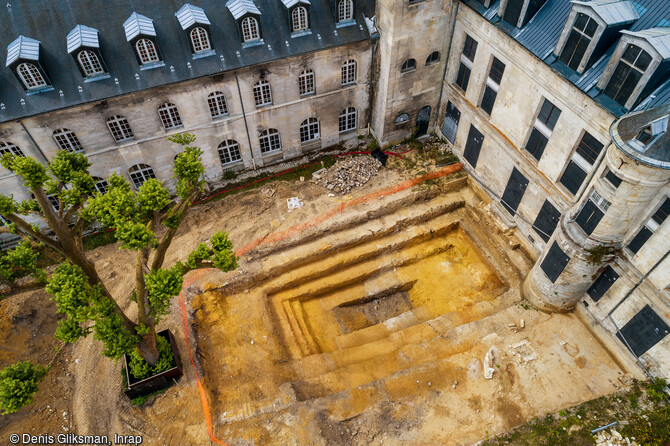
<point x="540" y="36"/>
<point x="50" y="22"/>
<point x="613" y="12"/>
<point x="82" y="36"/>
<point x="238" y="8"/>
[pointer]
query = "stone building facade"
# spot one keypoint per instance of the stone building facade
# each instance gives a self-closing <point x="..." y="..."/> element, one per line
<point x="534" y="96"/>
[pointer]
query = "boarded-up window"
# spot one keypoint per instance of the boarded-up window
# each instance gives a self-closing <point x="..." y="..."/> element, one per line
<point x="603" y="283"/>
<point x="450" y="125"/>
<point x="492" y="85"/>
<point x="589" y="217"/>
<point x="640" y="239"/>
<point x="613" y="179"/>
<point x="465" y="67"/>
<point x="648" y="229"/>
<point x="554" y="262"/>
<point x="536" y="144"/>
<point x="473" y="146"/>
<point x="643" y="331"/>
<point x="516" y="187"/>
<point x="573" y="177"/>
<point x="585" y="155"/>
<point x="463" y="77"/>
<point x="546" y="220"/>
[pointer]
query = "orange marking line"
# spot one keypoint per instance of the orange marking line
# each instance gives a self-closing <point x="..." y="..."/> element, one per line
<point x="284" y="235"/>
<point x="277" y="236"/>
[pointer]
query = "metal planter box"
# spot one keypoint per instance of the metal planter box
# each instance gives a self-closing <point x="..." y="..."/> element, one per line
<point x="156" y="382"/>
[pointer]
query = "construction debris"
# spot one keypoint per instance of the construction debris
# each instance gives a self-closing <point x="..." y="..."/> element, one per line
<point x="613" y="438"/>
<point x="294" y="203"/>
<point x="488" y="364"/>
<point x="347" y="173"/>
<point x="522" y="352"/>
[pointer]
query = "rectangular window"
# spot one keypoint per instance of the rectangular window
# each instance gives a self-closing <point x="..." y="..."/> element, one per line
<point x="585" y="155"/>
<point x="492" y="85"/>
<point x="627" y="74"/>
<point x="650" y="227"/>
<point x="643" y="331"/>
<point x="516" y="187"/>
<point x="592" y="212"/>
<point x="613" y="179"/>
<point x="602" y="284"/>
<point x="450" y="124"/>
<point x="546" y="220"/>
<point x="473" y="146"/>
<point x="554" y="262"/>
<point x="513" y="12"/>
<point x="578" y="41"/>
<point x="465" y="67"/>
<point x="542" y="129"/>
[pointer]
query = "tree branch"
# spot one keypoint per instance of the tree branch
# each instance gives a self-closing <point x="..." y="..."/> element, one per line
<point x="28" y="230"/>
<point x="181" y="208"/>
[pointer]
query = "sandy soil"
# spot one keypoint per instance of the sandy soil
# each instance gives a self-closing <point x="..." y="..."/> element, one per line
<point x="443" y="401"/>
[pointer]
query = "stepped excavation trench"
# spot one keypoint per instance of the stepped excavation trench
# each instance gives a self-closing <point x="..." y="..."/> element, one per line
<point x="372" y="328"/>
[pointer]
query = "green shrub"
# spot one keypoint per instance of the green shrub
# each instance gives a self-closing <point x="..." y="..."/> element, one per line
<point x="141" y="369"/>
<point x="18" y="384"/>
<point x="229" y="174"/>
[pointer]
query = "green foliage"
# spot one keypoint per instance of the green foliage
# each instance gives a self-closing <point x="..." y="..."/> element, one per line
<point x="33" y="173"/>
<point x="18" y="384"/>
<point x="8" y="205"/>
<point x="20" y="261"/>
<point x="141" y="400"/>
<point x="651" y="428"/>
<point x="134" y="235"/>
<point x="140" y="369"/>
<point x="597" y="253"/>
<point x="82" y="303"/>
<point x="152" y="196"/>
<point x="229" y="174"/>
<point x="98" y="239"/>
<point x="188" y="166"/>
<point x="161" y="285"/>
<point x="655" y="390"/>
<point x="221" y="253"/>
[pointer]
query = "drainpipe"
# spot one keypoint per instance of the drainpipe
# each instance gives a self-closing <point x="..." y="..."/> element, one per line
<point x="46" y="160"/>
<point x="371" y="92"/>
<point x="246" y="125"/>
<point x="446" y="61"/>
<point x="639" y="283"/>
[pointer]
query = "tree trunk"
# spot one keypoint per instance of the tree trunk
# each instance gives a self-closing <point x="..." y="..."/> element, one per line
<point x="148" y="348"/>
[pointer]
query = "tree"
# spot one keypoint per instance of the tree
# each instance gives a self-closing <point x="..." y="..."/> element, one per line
<point x="18" y="384"/>
<point x="145" y="220"/>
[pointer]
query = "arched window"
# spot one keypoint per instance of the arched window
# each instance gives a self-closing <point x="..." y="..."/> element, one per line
<point x="146" y="50"/>
<point x="402" y="118"/>
<point x="119" y="127"/>
<point x="30" y="76"/>
<point x="627" y="74"/>
<point x="217" y="104"/>
<point x="306" y="82"/>
<point x="101" y="185"/>
<point x="434" y="57"/>
<point x="250" y="29"/>
<point x="139" y="173"/>
<point x="8" y="147"/>
<point x="348" y="119"/>
<point x="270" y="140"/>
<point x="169" y="116"/>
<point x="299" y="19"/>
<point x="309" y="130"/>
<point x="67" y="140"/>
<point x="200" y="40"/>
<point x="55" y="203"/>
<point x="345" y="10"/>
<point x="262" y="94"/>
<point x="229" y="152"/>
<point x="349" y="72"/>
<point x="90" y="63"/>
<point x="408" y="65"/>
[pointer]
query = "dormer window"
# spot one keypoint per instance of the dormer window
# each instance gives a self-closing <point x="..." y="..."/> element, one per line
<point x="298" y="16"/>
<point x="627" y="74"/>
<point x="578" y="41"/>
<point x="141" y="34"/>
<point x="247" y="16"/>
<point x="30" y="76"/>
<point x="345" y="11"/>
<point x="644" y="136"/>
<point x="637" y="67"/>
<point x="84" y="46"/>
<point x="299" y="19"/>
<point x="23" y="58"/>
<point x="648" y="135"/>
<point x="195" y="23"/>
<point x="519" y="12"/>
<point x="250" y="29"/>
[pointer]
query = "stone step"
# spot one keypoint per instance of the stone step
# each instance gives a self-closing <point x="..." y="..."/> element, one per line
<point x="358" y="215"/>
<point x="290" y="260"/>
<point x="372" y="245"/>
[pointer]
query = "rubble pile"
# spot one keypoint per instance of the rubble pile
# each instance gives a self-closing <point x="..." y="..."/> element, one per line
<point x="613" y="438"/>
<point x="347" y="173"/>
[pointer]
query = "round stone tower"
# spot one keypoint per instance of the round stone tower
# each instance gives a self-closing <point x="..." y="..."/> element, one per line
<point x="635" y="168"/>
